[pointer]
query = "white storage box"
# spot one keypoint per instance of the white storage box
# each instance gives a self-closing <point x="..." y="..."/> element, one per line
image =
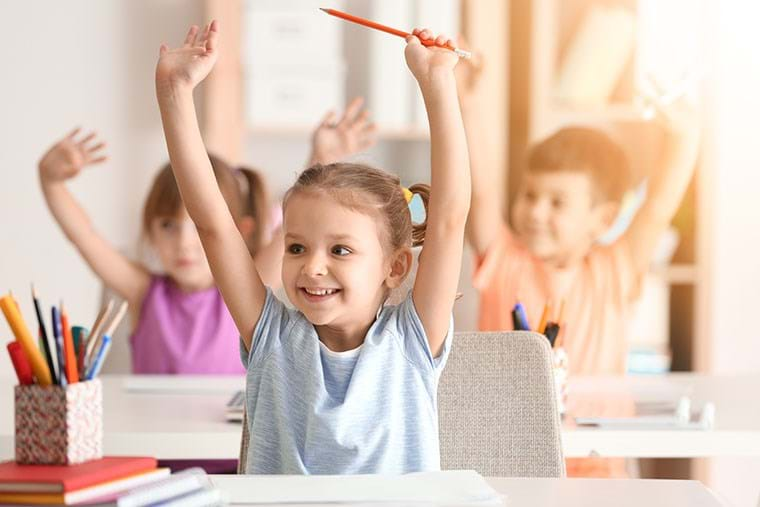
<point x="291" y="36"/>
<point x="280" y="96"/>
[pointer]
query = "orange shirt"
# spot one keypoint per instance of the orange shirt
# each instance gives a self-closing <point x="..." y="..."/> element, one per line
<point x="598" y="292"/>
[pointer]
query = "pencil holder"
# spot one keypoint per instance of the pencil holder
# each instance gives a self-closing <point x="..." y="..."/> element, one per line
<point x="58" y="425"/>
<point x="560" y="378"/>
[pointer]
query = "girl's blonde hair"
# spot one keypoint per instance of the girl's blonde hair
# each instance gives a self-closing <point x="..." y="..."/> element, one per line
<point x="243" y="190"/>
<point x="366" y="189"/>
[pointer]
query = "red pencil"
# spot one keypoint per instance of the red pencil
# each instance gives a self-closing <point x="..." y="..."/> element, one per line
<point x="20" y="364"/>
<point x="393" y="31"/>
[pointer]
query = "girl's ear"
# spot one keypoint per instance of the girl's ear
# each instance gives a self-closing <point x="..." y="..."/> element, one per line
<point x="401" y="265"/>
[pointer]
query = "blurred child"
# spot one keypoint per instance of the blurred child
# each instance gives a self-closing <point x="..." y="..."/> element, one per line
<point x="341" y="384"/>
<point x="180" y="322"/>
<point x="568" y="196"/>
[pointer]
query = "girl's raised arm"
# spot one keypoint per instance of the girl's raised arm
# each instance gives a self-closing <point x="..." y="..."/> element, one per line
<point x="441" y="259"/>
<point x="177" y="73"/>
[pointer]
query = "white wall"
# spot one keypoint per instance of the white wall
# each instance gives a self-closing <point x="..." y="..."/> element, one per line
<point x="734" y="160"/>
<point x="77" y="63"/>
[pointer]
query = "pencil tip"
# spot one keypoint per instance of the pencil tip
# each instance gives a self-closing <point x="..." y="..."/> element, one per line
<point x="34" y="292"/>
<point x="323" y="9"/>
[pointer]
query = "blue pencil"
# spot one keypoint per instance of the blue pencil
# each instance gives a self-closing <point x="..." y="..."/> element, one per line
<point x="58" y="335"/>
<point x="97" y="364"/>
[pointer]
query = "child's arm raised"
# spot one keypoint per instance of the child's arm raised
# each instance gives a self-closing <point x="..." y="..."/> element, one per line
<point x="667" y="184"/>
<point x="333" y="141"/>
<point x="177" y="73"/>
<point x="485" y="219"/>
<point x="65" y="160"/>
<point x="441" y="259"/>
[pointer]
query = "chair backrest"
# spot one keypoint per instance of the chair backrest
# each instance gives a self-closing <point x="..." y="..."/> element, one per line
<point x="497" y="407"/>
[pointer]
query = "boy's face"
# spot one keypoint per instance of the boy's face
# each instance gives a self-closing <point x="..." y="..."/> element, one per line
<point x="556" y="216"/>
<point x="179" y="248"/>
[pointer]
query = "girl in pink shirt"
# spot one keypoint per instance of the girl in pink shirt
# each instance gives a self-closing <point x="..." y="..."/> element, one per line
<point x="180" y="322"/>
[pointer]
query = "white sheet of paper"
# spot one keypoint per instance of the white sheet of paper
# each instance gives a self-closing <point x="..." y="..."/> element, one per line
<point x="443" y="488"/>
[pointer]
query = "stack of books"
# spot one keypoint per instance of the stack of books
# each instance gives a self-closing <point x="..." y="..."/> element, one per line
<point x="109" y="481"/>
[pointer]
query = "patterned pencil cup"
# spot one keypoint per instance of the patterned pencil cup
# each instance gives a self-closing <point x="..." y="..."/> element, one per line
<point x="58" y="425"/>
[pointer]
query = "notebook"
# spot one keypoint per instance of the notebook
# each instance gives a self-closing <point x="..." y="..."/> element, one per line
<point x="100" y="492"/>
<point x="15" y="478"/>
<point x="450" y="487"/>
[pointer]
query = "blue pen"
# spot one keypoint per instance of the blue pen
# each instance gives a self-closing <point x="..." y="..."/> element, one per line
<point x="58" y="335"/>
<point x="97" y="364"/>
<point x="522" y="317"/>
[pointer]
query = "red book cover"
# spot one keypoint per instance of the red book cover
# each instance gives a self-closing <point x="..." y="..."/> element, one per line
<point x="62" y="478"/>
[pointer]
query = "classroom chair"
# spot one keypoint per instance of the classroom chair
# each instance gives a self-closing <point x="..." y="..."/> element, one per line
<point x="496" y="407"/>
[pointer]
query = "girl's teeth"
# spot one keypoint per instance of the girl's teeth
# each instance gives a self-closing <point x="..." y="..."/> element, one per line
<point x="322" y="292"/>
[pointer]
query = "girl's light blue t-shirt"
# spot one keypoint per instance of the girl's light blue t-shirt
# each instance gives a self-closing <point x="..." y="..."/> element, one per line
<point x="369" y="410"/>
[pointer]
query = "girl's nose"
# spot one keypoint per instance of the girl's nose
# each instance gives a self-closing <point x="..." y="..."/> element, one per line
<point x="315" y="265"/>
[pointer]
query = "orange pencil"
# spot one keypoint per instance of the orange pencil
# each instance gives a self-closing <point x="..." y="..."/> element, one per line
<point x="72" y="374"/>
<point x="393" y="31"/>
<point x="544" y="318"/>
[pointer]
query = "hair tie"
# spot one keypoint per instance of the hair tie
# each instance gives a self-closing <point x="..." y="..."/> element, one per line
<point x="407" y="194"/>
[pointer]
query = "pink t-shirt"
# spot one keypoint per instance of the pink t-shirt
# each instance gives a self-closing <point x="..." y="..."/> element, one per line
<point x="598" y="293"/>
<point x="184" y="332"/>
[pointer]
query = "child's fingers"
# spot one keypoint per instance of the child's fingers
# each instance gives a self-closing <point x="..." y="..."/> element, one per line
<point x="73" y="133"/>
<point x="360" y="121"/>
<point x="98" y="160"/>
<point x="441" y="40"/>
<point x="212" y="38"/>
<point x="353" y="108"/>
<point x="192" y="33"/>
<point x="163" y="49"/>
<point x="328" y="120"/>
<point x="425" y="34"/>
<point x="89" y="137"/>
<point x="94" y="149"/>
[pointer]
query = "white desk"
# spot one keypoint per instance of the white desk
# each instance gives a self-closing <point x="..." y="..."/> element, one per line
<point x="737" y="420"/>
<point x="579" y="492"/>
<point x="184" y="419"/>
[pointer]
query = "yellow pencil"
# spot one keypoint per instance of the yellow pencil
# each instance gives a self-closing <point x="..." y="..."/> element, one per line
<point x="23" y="336"/>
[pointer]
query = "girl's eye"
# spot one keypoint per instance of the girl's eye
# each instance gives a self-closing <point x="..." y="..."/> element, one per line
<point x="558" y="203"/>
<point x="340" y="250"/>
<point x="167" y="224"/>
<point x="296" y="249"/>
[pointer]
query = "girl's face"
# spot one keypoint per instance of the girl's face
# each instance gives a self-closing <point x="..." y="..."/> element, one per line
<point x="335" y="269"/>
<point x="179" y="248"/>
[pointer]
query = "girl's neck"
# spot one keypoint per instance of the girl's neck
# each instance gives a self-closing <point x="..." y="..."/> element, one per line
<point x="341" y="340"/>
<point x="189" y="288"/>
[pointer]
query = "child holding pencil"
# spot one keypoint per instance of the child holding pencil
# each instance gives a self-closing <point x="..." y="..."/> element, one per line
<point x="180" y="322"/>
<point x="568" y="196"/>
<point x="341" y="384"/>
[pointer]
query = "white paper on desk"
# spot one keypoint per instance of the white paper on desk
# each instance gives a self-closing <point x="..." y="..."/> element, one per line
<point x="443" y="488"/>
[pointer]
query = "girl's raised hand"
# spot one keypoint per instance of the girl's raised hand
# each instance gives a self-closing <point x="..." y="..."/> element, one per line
<point x="335" y="140"/>
<point x="188" y="65"/>
<point x="67" y="157"/>
<point x="425" y="61"/>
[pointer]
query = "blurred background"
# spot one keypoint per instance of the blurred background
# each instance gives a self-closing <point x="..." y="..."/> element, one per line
<point x="284" y="63"/>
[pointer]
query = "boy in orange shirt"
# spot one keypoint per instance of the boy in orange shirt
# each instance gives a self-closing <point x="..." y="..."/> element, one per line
<point x="568" y="197"/>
